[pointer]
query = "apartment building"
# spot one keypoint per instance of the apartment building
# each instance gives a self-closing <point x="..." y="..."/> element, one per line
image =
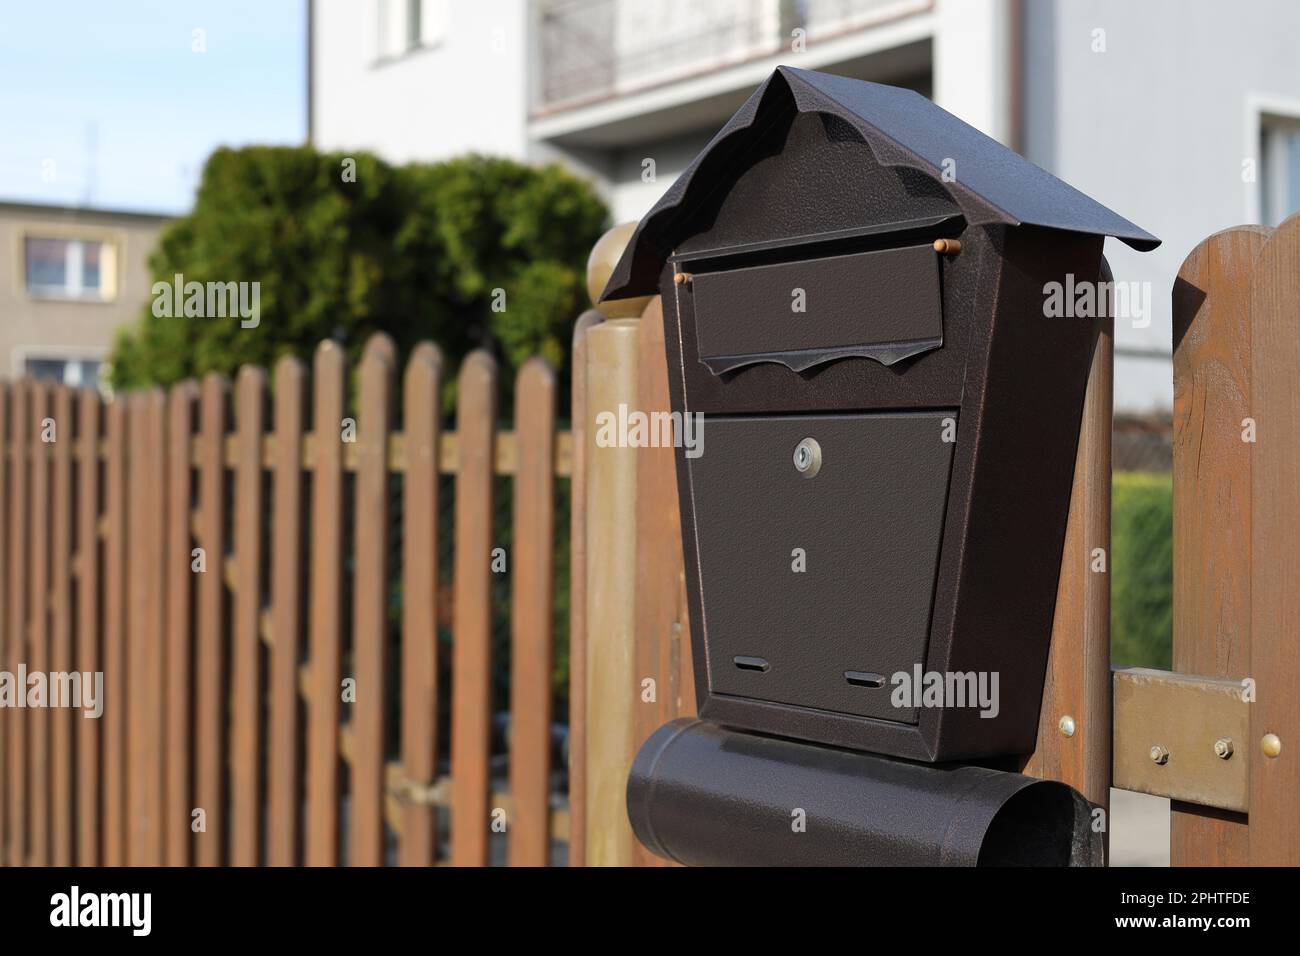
<point x="1183" y="115"/>
<point x="69" y="278"/>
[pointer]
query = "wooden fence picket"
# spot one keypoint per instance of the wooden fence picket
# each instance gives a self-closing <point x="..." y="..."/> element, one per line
<point x="114" y="648"/>
<point x="1212" y="500"/>
<point x="179" y="643"/>
<point x="7" y="659"/>
<point x="16" y="622"/>
<point x="210" y="630"/>
<point x="370" y="605"/>
<point x="60" y="594"/>
<point x="1275" y="537"/>
<point x="471" y="682"/>
<point x="284" y="783"/>
<point x="246" y="650"/>
<point x="419" y="720"/>
<point x="38" y="719"/>
<point x="325" y="624"/>
<point x="154" y="638"/>
<point x="531" y="613"/>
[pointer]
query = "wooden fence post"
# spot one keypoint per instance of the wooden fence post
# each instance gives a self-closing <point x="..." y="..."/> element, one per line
<point x="611" y="685"/>
<point x="1074" y="724"/>
<point x="578" y="594"/>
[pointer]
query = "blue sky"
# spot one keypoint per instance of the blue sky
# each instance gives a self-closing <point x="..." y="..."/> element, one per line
<point x="105" y="103"/>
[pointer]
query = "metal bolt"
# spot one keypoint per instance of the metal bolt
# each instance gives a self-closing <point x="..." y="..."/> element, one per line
<point x="808" y="457"/>
<point x="1067" y="725"/>
<point x="1159" y="755"/>
<point x="1271" y="745"/>
<point x="1223" y="748"/>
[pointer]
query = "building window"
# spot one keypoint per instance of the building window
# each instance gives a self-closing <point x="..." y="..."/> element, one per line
<point x="62" y="268"/>
<point x="1279" y="179"/>
<point x="72" y="372"/>
<point x="408" y="25"/>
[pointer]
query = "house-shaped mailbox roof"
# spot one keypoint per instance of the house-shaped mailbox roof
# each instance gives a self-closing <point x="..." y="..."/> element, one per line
<point x="903" y="129"/>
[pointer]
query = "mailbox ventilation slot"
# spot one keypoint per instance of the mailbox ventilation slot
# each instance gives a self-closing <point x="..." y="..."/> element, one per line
<point x="864" y="679"/>
<point x="751" y="664"/>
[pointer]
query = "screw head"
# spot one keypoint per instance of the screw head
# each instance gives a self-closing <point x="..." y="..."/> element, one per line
<point x="1159" y="755"/>
<point x="808" y="457"/>
<point x="1066" y="725"/>
<point x="1223" y="748"/>
<point x="1271" y="744"/>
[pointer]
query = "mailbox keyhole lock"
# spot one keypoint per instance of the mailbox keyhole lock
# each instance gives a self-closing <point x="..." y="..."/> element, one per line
<point x="808" y="457"/>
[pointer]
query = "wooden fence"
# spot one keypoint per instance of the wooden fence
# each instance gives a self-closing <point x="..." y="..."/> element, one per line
<point x="224" y="556"/>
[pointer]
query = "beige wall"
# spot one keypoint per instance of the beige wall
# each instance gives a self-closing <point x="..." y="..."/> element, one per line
<point x="60" y="328"/>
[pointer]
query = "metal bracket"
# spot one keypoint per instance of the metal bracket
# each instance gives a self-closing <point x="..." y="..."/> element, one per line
<point x="1182" y="736"/>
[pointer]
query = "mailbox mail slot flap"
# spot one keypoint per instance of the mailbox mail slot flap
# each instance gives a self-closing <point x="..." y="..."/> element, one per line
<point x="884" y="305"/>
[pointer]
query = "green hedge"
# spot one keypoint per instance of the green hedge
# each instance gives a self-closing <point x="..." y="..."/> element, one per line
<point x="474" y="251"/>
<point x="1142" y="578"/>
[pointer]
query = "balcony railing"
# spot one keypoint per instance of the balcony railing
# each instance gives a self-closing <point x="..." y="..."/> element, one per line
<point x="597" y="49"/>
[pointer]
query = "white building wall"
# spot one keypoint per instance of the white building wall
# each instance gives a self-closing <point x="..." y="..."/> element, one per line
<point x="972" y="63"/>
<point x="1157" y="127"/>
<point x="465" y="91"/>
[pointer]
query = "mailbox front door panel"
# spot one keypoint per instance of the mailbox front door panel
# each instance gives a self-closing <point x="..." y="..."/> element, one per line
<point x="866" y="530"/>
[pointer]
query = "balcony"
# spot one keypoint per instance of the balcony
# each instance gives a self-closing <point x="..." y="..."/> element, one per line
<point x="597" y="50"/>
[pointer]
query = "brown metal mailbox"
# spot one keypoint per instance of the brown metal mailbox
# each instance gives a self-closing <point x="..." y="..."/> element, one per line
<point x="854" y="284"/>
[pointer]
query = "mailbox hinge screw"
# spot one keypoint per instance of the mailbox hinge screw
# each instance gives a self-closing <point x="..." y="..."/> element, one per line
<point x="683" y="278"/>
<point x="1223" y="748"/>
<point x="1271" y="744"/>
<point x="949" y="246"/>
<point x="1066" y="725"/>
<point x="1160" y="755"/>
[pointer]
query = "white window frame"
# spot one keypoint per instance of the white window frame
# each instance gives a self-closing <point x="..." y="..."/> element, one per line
<point x="20" y="355"/>
<point x="112" y="256"/>
<point x="1262" y="109"/>
<point x="391" y="25"/>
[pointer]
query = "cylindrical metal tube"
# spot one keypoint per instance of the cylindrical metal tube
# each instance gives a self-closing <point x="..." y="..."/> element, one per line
<point x="704" y="795"/>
